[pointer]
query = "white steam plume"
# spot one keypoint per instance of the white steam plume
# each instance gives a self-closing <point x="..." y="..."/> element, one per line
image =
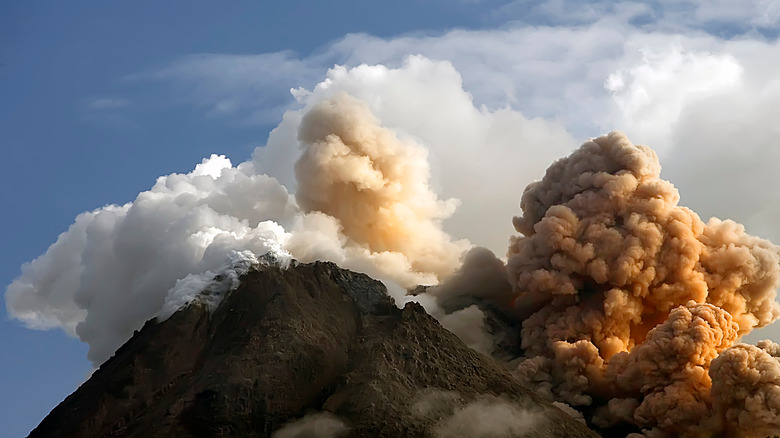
<point x="113" y="269"/>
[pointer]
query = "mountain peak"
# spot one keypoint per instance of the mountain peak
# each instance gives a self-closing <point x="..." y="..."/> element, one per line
<point x="313" y="347"/>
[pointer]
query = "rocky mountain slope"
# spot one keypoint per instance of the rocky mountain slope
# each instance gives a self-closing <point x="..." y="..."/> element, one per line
<point x="312" y="350"/>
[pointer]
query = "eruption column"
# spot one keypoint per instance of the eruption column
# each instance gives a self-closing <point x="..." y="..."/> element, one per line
<point x="626" y="296"/>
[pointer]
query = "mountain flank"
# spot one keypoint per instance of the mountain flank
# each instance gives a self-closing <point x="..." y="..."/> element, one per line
<point x="288" y="345"/>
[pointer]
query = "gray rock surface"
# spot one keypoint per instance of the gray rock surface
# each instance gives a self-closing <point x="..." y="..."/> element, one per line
<point x="311" y="344"/>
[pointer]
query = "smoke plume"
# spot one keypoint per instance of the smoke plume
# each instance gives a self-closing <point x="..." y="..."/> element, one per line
<point x="376" y="186"/>
<point x="118" y="266"/>
<point x="630" y="305"/>
<point x="487" y="416"/>
<point x="317" y="425"/>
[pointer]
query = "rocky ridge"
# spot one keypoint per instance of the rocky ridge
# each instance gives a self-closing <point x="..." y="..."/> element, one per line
<point x="293" y="342"/>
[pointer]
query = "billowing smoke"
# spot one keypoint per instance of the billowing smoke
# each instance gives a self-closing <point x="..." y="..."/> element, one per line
<point x="631" y="306"/>
<point x="117" y="266"/>
<point x="746" y="389"/>
<point x="486" y="417"/>
<point x="317" y="425"/>
<point x="364" y="203"/>
<point x="376" y="186"/>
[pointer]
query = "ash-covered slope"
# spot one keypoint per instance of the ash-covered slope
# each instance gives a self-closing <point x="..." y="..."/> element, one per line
<point x="313" y="347"/>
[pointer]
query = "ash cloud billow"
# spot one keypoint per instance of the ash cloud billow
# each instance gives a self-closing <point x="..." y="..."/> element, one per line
<point x="631" y="306"/>
<point x="375" y="187"/>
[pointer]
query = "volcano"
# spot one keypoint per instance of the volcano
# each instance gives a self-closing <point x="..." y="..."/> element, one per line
<point x="305" y="350"/>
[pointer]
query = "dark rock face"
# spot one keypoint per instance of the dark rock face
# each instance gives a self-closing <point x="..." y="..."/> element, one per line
<point x="286" y="343"/>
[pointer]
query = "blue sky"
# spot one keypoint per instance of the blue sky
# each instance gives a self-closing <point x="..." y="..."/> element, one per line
<point x="97" y="100"/>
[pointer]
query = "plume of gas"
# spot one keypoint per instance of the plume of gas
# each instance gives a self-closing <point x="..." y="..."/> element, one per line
<point x="316" y="425"/>
<point x="372" y="188"/>
<point x="118" y="266"/>
<point x="627" y="297"/>
<point x="452" y="416"/>
<point x="459" y="302"/>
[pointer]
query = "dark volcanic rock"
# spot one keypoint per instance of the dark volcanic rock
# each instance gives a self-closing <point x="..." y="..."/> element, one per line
<point x="286" y="343"/>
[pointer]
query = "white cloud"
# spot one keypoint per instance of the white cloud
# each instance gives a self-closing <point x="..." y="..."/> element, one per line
<point x="113" y="268"/>
<point x="556" y="73"/>
<point x="651" y="96"/>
